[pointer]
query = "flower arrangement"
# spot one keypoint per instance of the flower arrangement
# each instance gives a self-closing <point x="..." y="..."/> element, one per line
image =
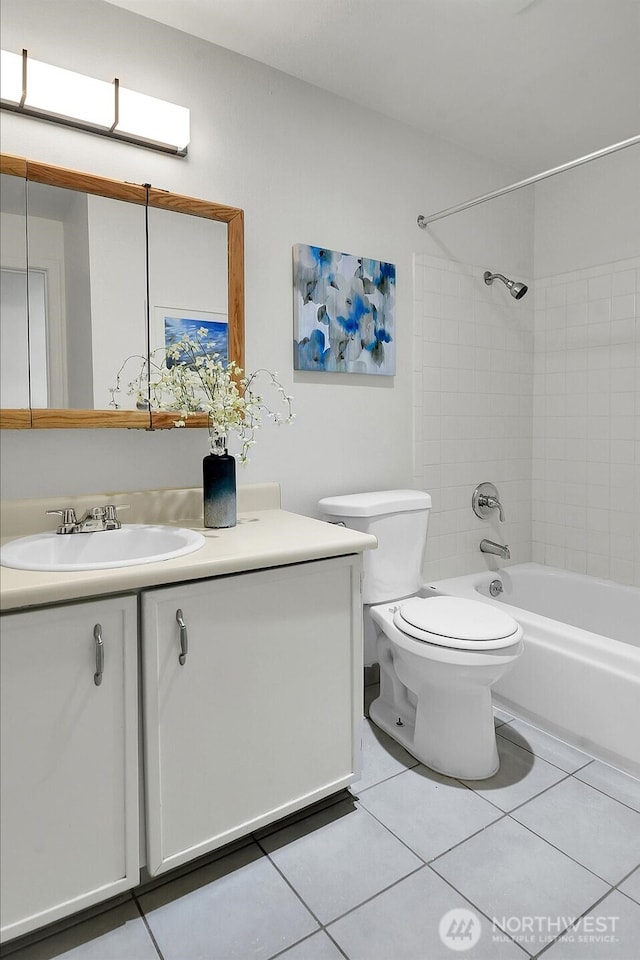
<point x="188" y="377"/>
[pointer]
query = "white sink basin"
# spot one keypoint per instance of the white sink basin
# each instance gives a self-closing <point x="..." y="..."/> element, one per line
<point x="134" y="543"/>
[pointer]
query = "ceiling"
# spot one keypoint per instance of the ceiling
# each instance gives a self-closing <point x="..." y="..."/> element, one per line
<point x="532" y="83"/>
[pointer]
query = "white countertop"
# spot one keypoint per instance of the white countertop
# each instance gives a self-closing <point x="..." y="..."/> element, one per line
<point x="262" y="538"/>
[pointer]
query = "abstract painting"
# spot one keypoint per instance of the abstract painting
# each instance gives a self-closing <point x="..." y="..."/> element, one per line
<point x="171" y="324"/>
<point x="343" y="312"/>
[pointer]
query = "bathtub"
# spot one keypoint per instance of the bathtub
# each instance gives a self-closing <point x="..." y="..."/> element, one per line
<point x="579" y="675"/>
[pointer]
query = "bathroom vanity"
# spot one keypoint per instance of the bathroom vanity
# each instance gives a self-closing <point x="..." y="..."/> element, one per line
<point x="202" y="697"/>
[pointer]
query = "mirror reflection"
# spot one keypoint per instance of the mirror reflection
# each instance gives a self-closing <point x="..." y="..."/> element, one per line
<point x="97" y="271"/>
<point x="14" y="340"/>
<point x="87" y="279"/>
<point x="195" y="296"/>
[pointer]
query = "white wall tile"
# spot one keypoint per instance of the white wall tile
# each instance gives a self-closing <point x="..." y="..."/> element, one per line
<point x="548" y="409"/>
<point x="586" y="426"/>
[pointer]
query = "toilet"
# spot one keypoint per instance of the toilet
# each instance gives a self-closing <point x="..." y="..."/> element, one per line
<point x="438" y="655"/>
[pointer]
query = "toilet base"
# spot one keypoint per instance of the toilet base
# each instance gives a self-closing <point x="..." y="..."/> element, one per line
<point x="385" y="715"/>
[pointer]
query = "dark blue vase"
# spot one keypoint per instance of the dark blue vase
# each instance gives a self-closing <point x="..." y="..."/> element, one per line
<point x="219" y="490"/>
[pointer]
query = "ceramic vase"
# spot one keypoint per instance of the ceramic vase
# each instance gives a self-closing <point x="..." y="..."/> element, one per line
<point x="219" y="485"/>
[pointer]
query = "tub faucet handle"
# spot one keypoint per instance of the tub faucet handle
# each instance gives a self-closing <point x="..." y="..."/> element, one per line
<point x="492" y="503"/>
<point x="485" y="499"/>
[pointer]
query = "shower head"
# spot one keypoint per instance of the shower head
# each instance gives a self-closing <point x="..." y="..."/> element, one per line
<point x="516" y="290"/>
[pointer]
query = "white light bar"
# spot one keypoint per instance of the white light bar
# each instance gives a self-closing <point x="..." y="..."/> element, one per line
<point x="63" y="94"/>
<point x="10" y="77"/>
<point x="156" y="121"/>
<point x="40" y="90"/>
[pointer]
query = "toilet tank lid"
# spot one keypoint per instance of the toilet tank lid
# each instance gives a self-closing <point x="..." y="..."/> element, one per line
<point x="376" y="503"/>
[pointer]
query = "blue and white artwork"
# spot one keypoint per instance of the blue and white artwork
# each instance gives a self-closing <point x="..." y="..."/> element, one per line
<point x="343" y="311"/>
<point x="216" y="336"/>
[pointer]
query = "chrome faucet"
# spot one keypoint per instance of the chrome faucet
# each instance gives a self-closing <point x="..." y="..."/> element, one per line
<point x="92" y="521"/>
<point x="491" y="503"/>
<point x="486" y="498"/>
<point x="497" y="549"/>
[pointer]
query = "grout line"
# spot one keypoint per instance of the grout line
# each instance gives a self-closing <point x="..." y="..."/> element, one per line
<point x="148" y="928"/>
<point x="323" y="926"/>
<point x="502" y="813"/>
<point x="282" y="953"/>
<point x="288" y="883"/>
<point x="624" y="880"/>
<point x="568" y="855"/>
<point x="528" y="749"/>
<point x="392" y="776"/>
<point x="604" y="792"/>
<point x="476" y="907"/>
<point x="373" y="896"/>
<point x="540" y="793"/>
<point x="585" y="913"/>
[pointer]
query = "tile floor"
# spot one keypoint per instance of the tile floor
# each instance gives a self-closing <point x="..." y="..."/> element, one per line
<point x="543" y="859"/>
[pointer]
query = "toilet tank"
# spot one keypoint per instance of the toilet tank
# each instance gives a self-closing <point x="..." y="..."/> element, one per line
<point x="399" y="520"/>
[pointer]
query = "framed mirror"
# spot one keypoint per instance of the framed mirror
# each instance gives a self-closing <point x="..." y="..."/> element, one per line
<point x="108" y="269"/>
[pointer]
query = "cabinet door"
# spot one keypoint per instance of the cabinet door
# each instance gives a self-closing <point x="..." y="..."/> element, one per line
<point x="263" y="716"/>
<point x="69" y="775"/>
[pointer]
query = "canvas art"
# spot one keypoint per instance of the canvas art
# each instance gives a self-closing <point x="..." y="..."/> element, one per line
<point x="172" y="324"/>
<point x="343" y="312"/>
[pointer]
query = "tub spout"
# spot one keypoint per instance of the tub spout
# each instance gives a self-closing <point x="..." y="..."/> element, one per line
<point x="497" y="549"/>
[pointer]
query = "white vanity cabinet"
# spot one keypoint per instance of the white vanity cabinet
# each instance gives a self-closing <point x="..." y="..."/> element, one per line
<point x="69" y="729"/>
<point x="252" y="701"/>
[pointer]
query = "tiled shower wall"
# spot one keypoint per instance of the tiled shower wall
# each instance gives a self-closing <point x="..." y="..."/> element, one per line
<point x="586" y="421"/>
<point x="473" y="395"/>
<point x="552" y="420"/>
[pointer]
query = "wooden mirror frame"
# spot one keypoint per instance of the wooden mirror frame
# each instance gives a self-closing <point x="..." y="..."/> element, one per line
<point x="31" y="170"/>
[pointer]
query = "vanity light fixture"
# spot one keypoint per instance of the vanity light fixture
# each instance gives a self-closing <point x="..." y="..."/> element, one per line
<point x="41" y="90"/>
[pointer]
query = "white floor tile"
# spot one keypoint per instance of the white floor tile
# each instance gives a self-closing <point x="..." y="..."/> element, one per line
<point x="112" y="935"/>
<point x="597" y="831"/>
<point x="631" y="886"/>
<point x="523" y="847"/>
<point x="404" y="923"/>
<point x="382" y="757"/>
<point x="511" y="875"/>
<point x="338" y="858"/>
<point x="316" y="947"/>
<point x="611" y="931"/>
<point x="613" y="782"/>
<point x="520" y="777"/>
<point x="544" y="746"/>
<point x="236" y="908"/>
<point x="429" y="812"/>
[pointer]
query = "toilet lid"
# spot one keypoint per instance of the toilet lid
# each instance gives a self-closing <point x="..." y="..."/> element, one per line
<point x="454" y="619"/>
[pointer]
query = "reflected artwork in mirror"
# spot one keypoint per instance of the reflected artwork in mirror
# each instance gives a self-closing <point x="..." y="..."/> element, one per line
<point x="113" y="269"/>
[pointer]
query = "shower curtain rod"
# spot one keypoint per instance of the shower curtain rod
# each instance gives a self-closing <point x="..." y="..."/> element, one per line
<point x="423" y="222"/>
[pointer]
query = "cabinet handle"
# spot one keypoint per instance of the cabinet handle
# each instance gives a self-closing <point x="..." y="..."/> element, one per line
<point x="97" y="636"/>
<point x="184" y="640"/>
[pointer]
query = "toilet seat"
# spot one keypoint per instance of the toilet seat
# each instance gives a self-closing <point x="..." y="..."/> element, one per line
<point x="456" y="622"/>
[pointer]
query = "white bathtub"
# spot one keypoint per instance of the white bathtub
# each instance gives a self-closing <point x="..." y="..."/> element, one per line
<point x="579" y="675"/>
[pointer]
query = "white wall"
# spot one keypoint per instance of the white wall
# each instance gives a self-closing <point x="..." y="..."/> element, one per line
<point x="306" y="167"/>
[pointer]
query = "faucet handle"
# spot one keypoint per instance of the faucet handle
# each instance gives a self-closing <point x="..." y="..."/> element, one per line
<point x="109" y="515"/>
<point x="110" y="509"/>
<point x="485" y="499"/>
<point x="492" y="503"/>
<point x="69" y="521"/>
<point x="68" y="514"/>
